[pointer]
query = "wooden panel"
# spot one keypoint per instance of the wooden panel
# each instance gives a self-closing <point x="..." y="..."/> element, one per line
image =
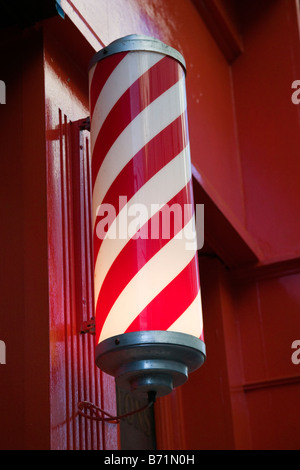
<point x="267" y="314"/>
<point x="221" y="20"/>
<point x="169" y="411"/>
<point x="206" y="402"/>
<point x="268" y="124"/>
<point x="245" y="394"/>
<point x="227" y="238"/>
<point x="74" y="376"/>
<point x="24" y="404"/>
<point x="270" y="313"/>
<point x="274" y="415"/>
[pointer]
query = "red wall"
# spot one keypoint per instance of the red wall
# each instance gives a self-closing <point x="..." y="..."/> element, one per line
<point x="246" y="394"/>
<point x="242" y="58"/>
<point x="24" y="321"/>
<point x="268" y="125"/>
<point x="73" y="375"/>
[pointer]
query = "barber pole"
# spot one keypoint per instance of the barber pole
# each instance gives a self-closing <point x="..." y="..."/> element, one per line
<point x="149" y="329"/>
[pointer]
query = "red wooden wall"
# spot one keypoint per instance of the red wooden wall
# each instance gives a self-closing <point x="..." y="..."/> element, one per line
<point x="268" y="125"/>
<point x="73" y="374"/>
<point x="245" y="396"/>
<point x="242" y="58"/>
<point x="24" y="320"/>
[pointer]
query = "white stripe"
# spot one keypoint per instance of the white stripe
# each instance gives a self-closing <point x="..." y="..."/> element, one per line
<point x="190" y="322"/>
<point x="150" y="280"/>
<point x="122" y="77"/>
<point x="154" y="191"/>
<point x="152" y="120"/>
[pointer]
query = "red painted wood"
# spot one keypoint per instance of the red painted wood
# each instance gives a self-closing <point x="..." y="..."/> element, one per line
<point x="74" y="376"/>
<point x="206" y="398"/>
<point x="246" y="391"/>
<point x="268" y="124"/>
<point x="221" y="21"/>
<point x="24" y="397"/>
<point x="244" y="133"/>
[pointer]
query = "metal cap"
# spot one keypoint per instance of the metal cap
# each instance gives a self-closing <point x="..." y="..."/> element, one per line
<point x="146" y="361"/>
<point x="137" y="42"/>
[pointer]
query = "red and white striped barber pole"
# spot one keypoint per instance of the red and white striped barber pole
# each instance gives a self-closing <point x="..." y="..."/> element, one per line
<point x="149" y="329"/>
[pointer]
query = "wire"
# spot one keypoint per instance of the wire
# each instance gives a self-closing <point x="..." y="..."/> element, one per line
<point x="83" y="405"/>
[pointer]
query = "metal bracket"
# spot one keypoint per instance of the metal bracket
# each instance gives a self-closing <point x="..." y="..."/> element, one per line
<point x="88" y="327"/>
<point x="147" y="361"/>
<point x="85" y="124"/>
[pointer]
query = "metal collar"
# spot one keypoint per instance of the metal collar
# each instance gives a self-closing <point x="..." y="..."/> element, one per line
<point x="137" y="42"/>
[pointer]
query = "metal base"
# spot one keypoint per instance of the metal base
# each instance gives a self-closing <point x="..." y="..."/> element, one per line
<point x="146" y="361"/>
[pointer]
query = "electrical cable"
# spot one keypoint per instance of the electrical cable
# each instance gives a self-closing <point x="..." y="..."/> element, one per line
<point x="82" y="405"/>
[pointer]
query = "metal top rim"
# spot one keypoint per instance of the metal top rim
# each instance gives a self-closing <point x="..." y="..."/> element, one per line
<point x="137" y="42"/>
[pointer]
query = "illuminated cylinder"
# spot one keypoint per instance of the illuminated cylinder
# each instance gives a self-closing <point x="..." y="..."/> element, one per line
<point x="149" y="330"/>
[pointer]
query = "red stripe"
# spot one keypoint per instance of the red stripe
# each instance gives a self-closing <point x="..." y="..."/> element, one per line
<point x="102" y="72"/>
<point x="133" y="257"/>
<point x="170" y="303"/>
<point x="137" y="97"/>
<point x="155" y="155"/>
